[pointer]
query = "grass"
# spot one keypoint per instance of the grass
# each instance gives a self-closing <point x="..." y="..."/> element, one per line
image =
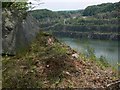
<point x="90" y="55"/>
<point x="24" y="67"/>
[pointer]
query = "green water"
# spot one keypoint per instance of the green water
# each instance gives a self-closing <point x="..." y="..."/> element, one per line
<point x="106" y="48"/>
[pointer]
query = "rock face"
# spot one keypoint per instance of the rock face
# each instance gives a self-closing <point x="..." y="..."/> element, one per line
<point x="88" y="35"/>
<point x="17" y="32"/>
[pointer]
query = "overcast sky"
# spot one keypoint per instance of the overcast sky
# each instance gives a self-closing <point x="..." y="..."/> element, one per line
<point x="58" y="5"/>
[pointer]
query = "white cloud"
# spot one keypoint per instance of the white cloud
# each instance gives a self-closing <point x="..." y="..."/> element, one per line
<point x="79" y="0"/>
<point x="57" y="5"/>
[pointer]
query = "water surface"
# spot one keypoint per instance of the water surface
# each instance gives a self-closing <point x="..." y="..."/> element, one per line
<point x="106" y="48"/>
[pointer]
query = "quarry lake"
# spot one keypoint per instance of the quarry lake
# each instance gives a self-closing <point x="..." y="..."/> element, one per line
<point x="105" y="48"/>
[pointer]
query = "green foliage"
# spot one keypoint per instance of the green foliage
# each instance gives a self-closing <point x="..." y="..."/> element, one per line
<point x="68" y="14"/>
<point x="92" y="24"/>
<point x="24" y="68"/>
<point x="6" y="4"/>
<point x="90" y="53"/>
<point x="21" y="5"/>
<point x="104" y="62"/>
<point x="43" y="14"/>
<point x="58" y="49"/>
<point x="105" y="7"/>
<point x="18" y="8"/>
<point x="15" y="5"/>
<point x="90" y="10"/>
<point x="103" y="21"/>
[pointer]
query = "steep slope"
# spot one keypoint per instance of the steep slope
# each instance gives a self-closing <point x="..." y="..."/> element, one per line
<point x="46" y="62"/>
<point x="51" y="64"/>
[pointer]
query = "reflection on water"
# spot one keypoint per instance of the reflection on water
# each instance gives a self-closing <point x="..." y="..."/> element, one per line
<point x="106" y="48"/>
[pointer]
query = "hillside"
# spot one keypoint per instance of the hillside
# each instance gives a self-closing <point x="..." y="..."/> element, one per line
<point x="102" y="25"/>
<point x="33" y="58"/>
<point x="102" y="8"/>
<point x="44" y="13"/>
<point x="51" y="64"/>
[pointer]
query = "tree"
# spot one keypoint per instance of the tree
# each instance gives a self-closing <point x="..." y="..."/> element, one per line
<point x="16" y="5"/>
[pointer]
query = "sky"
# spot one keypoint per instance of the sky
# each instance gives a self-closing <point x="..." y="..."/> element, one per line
<point x="61" y="5"/>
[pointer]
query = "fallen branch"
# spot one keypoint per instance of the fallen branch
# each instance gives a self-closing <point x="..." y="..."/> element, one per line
<point x="114" y="85"/>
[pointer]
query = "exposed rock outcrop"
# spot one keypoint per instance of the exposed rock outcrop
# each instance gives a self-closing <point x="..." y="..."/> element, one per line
<point x="101" y="36"/>
<point x="17" y="32"/>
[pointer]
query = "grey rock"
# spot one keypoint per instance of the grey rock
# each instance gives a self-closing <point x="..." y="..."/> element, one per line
<point x="17" y="33"/>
